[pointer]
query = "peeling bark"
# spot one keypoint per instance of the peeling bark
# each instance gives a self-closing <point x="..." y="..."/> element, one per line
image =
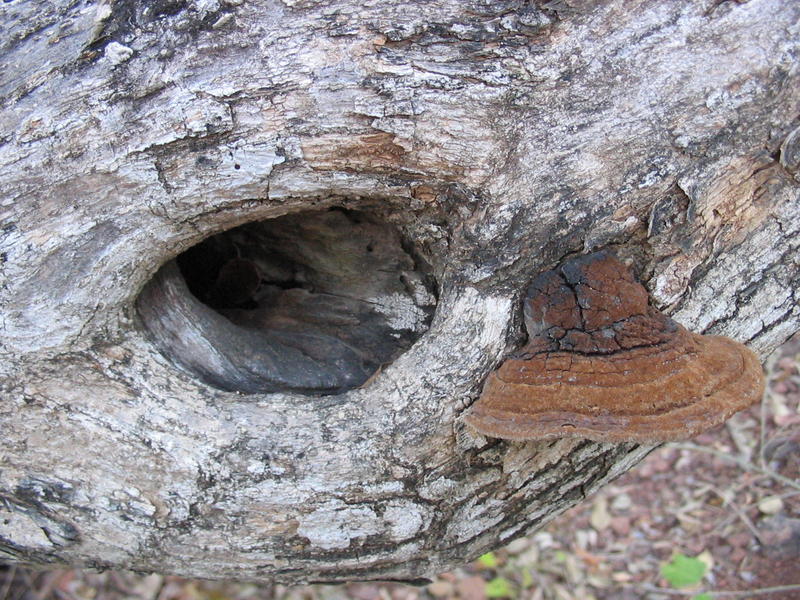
<point x="498" y="138"/>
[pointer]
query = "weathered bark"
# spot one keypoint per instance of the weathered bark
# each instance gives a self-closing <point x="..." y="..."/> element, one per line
<point x="498" y="137"/>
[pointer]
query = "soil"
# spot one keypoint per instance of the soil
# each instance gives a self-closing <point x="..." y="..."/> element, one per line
<point x="730" y="497"/>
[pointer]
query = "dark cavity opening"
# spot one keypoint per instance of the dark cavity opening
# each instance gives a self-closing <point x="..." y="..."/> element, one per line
<point x="314" y="302"/>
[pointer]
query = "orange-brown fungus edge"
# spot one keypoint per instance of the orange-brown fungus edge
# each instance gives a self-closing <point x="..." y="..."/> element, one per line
<point x="602" y="364"/>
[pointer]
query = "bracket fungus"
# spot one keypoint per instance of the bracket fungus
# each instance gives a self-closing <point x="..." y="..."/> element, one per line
<point x="601" y="363"/>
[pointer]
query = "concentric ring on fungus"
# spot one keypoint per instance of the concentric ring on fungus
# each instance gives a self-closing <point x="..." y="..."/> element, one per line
<point x="602" y="364"/>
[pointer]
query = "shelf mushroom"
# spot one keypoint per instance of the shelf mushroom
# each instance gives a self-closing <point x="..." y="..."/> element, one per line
<point x="602" y="364"/>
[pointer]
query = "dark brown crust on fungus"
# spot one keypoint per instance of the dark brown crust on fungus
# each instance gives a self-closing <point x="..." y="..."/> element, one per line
<point x="603" y="365"/>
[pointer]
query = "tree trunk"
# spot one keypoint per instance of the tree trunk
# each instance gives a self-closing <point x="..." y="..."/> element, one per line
<point x="465" y="145"/>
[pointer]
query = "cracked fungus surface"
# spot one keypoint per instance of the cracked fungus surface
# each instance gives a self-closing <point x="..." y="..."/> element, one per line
<point x="602" y="364"/>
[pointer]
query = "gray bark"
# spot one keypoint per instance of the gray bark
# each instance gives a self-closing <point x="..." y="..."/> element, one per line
<point x="498" y="137"/>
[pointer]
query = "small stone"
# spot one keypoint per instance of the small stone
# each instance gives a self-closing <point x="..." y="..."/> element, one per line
<point x="780" y="537"/>
<point x="770" y="505"/>
<point x="621" y="502"/>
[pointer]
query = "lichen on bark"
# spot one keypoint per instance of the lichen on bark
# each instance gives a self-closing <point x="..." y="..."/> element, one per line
<point x="497" y="138"/>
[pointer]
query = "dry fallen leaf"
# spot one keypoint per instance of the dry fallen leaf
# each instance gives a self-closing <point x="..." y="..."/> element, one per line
<point x="440" y="589"/>
<point x="591" y="560"/>
<point x="472" y="588"/>
<point x="706" y="558"/>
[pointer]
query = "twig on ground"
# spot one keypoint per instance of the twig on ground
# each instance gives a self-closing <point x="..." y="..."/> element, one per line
<point x="769" y="367"/>
<point x="762" y="432"/>
<point x="722" y="593"/>
<point x="742" y="516"/>
<point x="743" y="464"/>
<point x="740" y="439"/>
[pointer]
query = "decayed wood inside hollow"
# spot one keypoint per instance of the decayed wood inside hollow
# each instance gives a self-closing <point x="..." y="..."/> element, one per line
<point x="312" y="303"/>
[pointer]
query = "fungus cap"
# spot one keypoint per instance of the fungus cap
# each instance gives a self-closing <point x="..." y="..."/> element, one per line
<point x="603" y="365"/>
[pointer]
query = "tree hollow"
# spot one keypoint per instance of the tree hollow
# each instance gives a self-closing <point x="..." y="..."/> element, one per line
<point x="314" y="302"/>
